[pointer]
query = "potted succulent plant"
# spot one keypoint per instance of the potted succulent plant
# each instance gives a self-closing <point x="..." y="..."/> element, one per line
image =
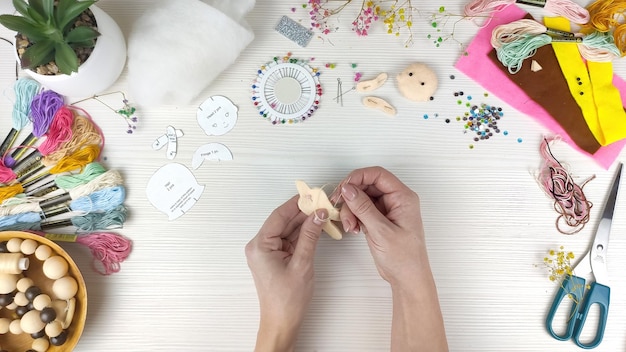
<point x="69" y="46"/>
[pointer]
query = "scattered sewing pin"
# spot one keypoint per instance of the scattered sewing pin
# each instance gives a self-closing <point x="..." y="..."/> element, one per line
<point x="211" y="151"/>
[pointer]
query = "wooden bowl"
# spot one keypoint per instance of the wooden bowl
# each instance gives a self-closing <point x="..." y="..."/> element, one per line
<point x="23" y="342"/>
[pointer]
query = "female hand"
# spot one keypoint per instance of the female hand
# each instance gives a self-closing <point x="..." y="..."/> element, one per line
<point x="388" y="212"/>
<point x="280" y="258"/>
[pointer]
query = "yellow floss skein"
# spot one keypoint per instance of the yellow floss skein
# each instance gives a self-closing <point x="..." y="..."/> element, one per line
<point x="592" y="88"/>
<point x="7" y="192"/>
<point x="606" y="15"/>
<point x="77" y="160"/>
<point x="84" y="132"/>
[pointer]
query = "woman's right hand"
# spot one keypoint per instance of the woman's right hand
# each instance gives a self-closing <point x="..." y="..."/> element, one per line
<point x="388" y="212"/>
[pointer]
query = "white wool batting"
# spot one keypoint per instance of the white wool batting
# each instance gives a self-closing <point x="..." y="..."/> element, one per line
<point x="177" y="48"/>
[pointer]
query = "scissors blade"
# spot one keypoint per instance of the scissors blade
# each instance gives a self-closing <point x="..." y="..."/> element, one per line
<point x="601" y="241"/>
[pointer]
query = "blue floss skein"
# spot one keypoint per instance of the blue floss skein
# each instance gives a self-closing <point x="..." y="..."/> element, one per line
<point x="20" y="222"/>
<point x="103" y="200"/>
<point x="113" y="219"/>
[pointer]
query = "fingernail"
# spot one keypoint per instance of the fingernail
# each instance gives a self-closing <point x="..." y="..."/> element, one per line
<point x="347" y="226"/>
<point x="348" y="191"/>
<point x="321" y="215"/>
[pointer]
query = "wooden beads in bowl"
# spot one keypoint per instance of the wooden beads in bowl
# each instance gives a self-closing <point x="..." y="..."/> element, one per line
<point x="42" y="308"/>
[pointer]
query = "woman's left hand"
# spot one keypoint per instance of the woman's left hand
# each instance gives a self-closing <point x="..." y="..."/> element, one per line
<point x="280" y="258"/>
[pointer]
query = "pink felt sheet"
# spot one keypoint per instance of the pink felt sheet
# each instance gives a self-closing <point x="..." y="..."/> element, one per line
<point x="477" y="66"/>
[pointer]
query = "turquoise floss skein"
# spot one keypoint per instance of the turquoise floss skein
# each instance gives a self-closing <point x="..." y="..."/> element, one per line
<point x="25" y="90"/>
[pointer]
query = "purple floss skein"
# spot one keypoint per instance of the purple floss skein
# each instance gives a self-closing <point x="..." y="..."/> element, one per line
<point x="42" y="110"/>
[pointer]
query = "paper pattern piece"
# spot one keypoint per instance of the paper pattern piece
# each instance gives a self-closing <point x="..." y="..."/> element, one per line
<point x="217" y="115"/>
<point x="211" y="151"/>
<point x="169" y="139"/>
<point x="173" y="190"/>
<point x="478" y="67"/>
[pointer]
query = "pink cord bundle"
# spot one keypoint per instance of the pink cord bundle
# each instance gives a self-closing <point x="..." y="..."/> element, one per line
<point x="569" y="200"/>
<point x="107" y="248"/>
<point x="566" y="8"/>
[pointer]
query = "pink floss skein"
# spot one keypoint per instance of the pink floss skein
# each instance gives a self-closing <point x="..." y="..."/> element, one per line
<point x="108" y="249"/>
<point x="60" y="131"/>
<point x="565" y="8"/>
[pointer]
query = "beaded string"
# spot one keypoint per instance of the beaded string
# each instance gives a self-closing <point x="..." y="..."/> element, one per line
<point x="569" y="200"/>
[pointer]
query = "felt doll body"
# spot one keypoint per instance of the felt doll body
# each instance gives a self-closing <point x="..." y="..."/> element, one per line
<point x="312" y="199"/>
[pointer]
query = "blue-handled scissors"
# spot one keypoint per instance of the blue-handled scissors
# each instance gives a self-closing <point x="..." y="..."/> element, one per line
<point x="574" y="286"/>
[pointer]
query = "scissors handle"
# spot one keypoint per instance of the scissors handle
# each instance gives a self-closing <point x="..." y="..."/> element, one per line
<point x="573" y="287"/>
<point x="598" y="294"/>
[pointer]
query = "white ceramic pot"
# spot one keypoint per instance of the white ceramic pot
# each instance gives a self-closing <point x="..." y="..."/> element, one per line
<point x="100" y="70"/>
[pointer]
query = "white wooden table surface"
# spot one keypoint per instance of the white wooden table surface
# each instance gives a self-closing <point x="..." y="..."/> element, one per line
<point x="186" y="286"/>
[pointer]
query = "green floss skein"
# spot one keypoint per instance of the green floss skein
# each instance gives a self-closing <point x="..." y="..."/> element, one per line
<point x="513" y="54"/>
<point x="602" y="41"/>
<point x="91" y="171"/>
<point x="112" y="219"/>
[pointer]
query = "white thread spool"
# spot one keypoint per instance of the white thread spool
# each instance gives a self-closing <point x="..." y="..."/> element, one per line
<point x="13" y="263"/>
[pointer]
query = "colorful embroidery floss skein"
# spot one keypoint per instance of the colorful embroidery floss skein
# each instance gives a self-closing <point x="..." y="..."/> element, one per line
<point x="73" y="162"/>
<point x="59" y="131"/>
<point x="76" y="161"/>
<point x="108" y="249"/>
<point x="112" y="215"/>
<point x="101" y="200"/>
<point x="25" y="90"/>
<point x="66" y="182"/>
<point x="42" y="110"/>
<point x="506" y="33"/>
<point x="566" y="8"/>
<point x="569" y="200"/>
<point x="596" y="47"/>
<point x="607" y="16"/>
<point x="72" y="136"/>
<point x="112" y="219"/>
<point x="84" y="132"/>
<point x="108" y="179"/>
